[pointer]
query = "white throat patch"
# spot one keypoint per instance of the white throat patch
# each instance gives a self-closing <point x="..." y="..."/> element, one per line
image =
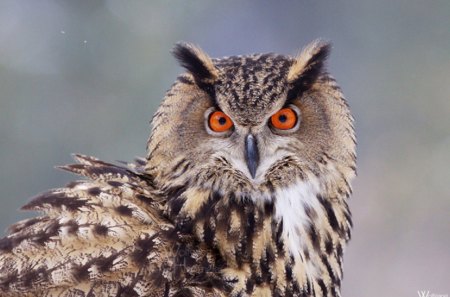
<point x="290" y="207"/>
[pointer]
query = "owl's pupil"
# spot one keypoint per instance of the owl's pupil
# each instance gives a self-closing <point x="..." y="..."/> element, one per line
<point x="222" y="121"/>
<point x="282" y="118"/>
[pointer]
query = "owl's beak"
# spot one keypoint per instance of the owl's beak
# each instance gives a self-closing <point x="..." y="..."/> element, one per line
<point x="251" y="154"/>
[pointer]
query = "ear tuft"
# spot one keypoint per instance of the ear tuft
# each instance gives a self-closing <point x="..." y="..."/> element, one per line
<point x="196" y="61"/>
<point x="309" y="63"/>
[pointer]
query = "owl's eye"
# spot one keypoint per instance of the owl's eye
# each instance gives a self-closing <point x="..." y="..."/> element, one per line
<point x="285" y="119"/>
<point x="220" y="122"/>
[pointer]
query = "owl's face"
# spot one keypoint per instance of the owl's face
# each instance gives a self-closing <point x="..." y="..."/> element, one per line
<point x="250" y="122"/>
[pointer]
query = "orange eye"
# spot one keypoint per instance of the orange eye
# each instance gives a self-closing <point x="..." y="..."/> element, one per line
<point x="284" y="119"/>
<point x="220" y="122"/>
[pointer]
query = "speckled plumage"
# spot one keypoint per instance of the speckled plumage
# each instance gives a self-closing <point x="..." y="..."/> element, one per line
<point x="190" y="219"/>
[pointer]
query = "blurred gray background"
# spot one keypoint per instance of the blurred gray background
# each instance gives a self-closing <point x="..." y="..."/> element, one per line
<point x="86" y="76"/>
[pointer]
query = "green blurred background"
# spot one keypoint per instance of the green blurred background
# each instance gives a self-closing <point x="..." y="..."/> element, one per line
<point x="86" y="76"/>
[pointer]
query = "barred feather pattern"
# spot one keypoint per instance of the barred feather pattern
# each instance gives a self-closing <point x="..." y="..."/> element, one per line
<point x="274" y="241"/>
<point x="192" y="219"/>
<point x="105" y="236"/>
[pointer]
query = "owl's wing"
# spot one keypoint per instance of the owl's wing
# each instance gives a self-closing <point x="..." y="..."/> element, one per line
<point x="93" y="238"/>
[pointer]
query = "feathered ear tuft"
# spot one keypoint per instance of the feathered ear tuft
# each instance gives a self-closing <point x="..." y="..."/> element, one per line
<point x="308" y="64"/>
<point x="196" y="61"/>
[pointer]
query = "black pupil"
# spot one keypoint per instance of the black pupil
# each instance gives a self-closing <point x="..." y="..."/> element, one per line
<point x="222" y="121"/>
<point x="282" y="118"/>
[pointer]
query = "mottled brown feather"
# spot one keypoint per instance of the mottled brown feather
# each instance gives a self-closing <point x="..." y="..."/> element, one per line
<point x="190" y="219"/>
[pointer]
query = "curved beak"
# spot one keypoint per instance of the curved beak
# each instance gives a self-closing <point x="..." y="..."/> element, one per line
<point x="251" y="154"/>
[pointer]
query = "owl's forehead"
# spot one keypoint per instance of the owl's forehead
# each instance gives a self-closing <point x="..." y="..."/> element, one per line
<point x="250" y="86"/>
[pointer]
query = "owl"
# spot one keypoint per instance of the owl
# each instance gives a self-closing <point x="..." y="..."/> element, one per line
<point x="243" y="192"/>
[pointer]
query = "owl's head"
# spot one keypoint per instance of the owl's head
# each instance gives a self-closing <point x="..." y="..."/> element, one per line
<point x="251" y="123"/>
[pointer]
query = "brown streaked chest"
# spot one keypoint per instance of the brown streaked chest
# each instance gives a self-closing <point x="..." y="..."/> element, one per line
<point x="279" y="244"/>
